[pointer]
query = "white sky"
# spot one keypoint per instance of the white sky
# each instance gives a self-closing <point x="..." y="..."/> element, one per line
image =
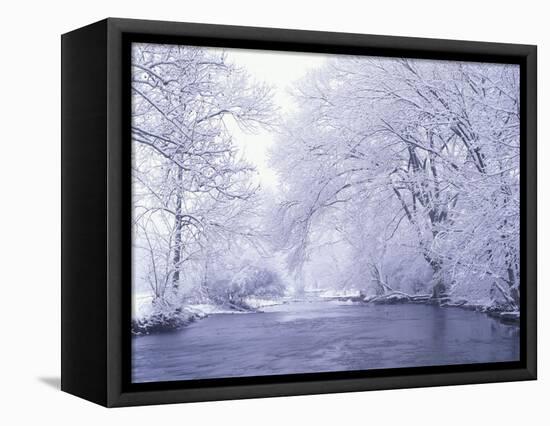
<point x="280" y="70"/>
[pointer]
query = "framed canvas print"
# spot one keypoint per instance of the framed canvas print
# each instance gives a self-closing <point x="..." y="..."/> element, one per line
<point x="252" y="212"/>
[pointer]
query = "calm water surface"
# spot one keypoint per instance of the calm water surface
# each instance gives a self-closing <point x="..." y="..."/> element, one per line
<point x="320" y="337"/>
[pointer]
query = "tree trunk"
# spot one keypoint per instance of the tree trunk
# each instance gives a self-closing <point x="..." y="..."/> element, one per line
<point x="439" y="288"/>
<point x="178" y="237"/>
<point x="514" y="292"/>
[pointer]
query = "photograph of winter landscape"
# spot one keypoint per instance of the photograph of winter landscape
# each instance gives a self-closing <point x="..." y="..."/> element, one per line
<point x="305" y="213"/>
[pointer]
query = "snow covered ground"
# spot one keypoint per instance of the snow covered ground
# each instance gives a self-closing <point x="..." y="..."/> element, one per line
<point x="147" y="318"/>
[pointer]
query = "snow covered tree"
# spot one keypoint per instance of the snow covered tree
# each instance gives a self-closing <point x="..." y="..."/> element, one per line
<point x="428" y="149"/>
<point x="192" y="192"/>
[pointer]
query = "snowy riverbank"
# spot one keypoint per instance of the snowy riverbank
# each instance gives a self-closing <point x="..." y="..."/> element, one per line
<point x="148" y="319"/>
<point x="496" y="309"/>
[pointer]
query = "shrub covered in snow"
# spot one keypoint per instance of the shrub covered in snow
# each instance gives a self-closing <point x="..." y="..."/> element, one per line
<point x="250" y="281"/>
<point x="159" y="316"/>
<point x="162" y="321"/>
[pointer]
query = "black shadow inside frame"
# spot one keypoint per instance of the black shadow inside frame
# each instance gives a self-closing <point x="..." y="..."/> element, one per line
<point x="129" y="38"/>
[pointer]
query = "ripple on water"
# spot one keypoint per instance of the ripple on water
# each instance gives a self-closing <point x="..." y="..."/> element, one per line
<point x="317" y="337"/>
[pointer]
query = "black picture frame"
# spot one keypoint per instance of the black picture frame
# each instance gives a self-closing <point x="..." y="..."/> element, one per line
<point x="96" y="280"/>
